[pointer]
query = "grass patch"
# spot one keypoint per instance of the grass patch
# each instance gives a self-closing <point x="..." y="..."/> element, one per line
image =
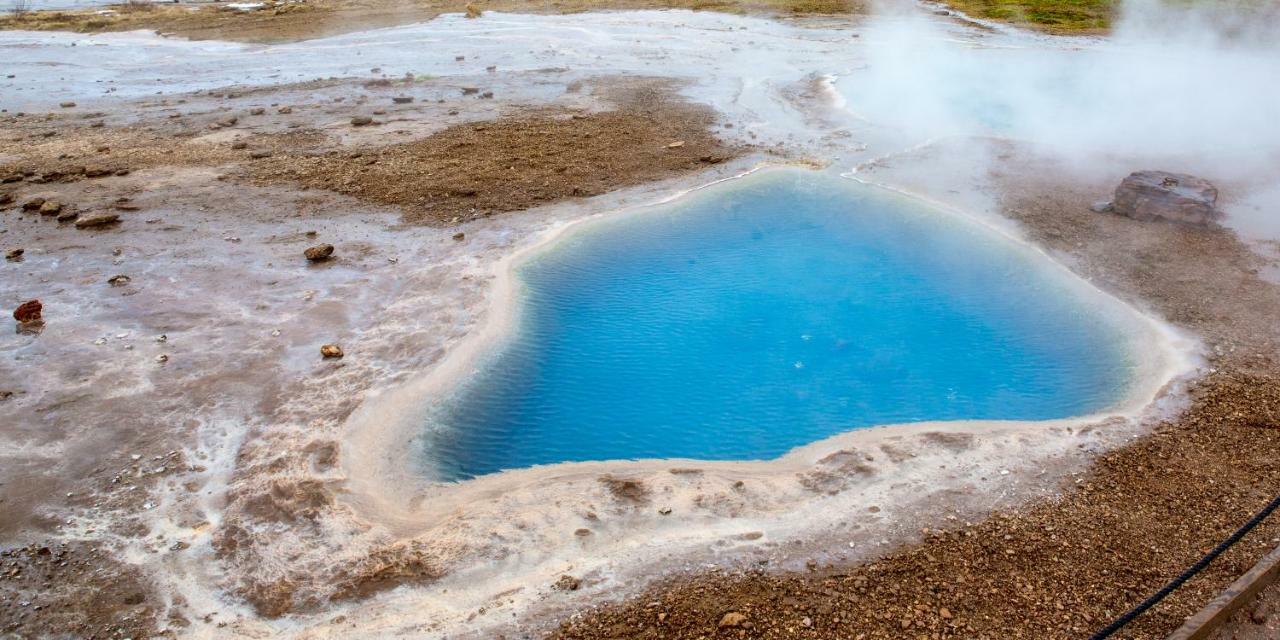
<point x="1059" y="16"/>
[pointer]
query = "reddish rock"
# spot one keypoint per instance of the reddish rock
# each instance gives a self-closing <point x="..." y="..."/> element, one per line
<point x="28" y="311"/>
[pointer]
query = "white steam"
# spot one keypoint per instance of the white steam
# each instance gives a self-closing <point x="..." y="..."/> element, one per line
<point x="1197" y="90"/>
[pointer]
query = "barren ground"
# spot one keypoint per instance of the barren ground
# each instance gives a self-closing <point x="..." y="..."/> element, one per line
<point x="226" y="188"/>
<point x="193" y="170"/>
<point x="283" y="21"/>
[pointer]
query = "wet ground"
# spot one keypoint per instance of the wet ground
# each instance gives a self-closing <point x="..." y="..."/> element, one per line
<point x="176" y="428"/>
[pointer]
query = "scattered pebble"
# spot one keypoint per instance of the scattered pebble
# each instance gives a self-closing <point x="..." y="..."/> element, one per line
<point x="319" y="253"/>
<point x="29" y="311"/>
<point x="567" y="583"/>
<point x="100" y="220"/>
<point x="331" y="351"/>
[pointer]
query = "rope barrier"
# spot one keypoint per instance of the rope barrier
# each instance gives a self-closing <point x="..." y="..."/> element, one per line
<point x="1189" y="573"/>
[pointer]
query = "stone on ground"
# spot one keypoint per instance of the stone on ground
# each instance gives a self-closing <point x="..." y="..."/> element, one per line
<point x="1161" y="195"/>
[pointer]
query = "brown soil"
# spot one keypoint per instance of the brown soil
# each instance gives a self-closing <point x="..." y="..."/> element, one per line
<point x="531" y="157"/>
<point x="1059" y="568"/>
<point x="473" y="170"/>
<point x="284" y="22"/>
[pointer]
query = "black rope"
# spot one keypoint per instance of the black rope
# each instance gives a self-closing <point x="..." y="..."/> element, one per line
<point x="1189" y="573"/>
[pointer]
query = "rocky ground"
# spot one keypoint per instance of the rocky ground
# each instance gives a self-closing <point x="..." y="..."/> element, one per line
<point x="1062" y="567"/>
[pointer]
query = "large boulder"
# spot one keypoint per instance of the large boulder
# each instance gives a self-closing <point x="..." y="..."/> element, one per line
<point x="1160" y="195"/>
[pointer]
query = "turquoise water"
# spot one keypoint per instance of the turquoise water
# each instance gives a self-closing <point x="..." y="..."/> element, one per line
<point x="764" y="314"/>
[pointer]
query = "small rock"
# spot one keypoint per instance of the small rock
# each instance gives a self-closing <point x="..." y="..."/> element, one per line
<point x="257" y="111"/>
<point x="567" y="583"/>
<point x="97" y="172"/>
<point x="50" y="208"/>
<point x="119" y="280"/>
<point x="14" y="255"/>
<point x="676" y="145"/>
<point x="945" y="613"/>
<point x="361" y="121"/>
<point x="732" y="620"/>
<point x="100" y="220"/>
<point x="582" y="533"/>
<point x="459" y="236"/>
<point x="67" y="215"/>
<point x="331" y="351"/>
<point x="487" y="95"/>
<point x="285" y="110"/>
<point x="1260" y="614"/>
<point x="258" y="154"/>
<point x="806" y="622"/>
<point x="665" y="511"/>
<point x="29" y="311"/>
<point x="66" y="105"/>
<point x="33" y="204"/>
<point x="239" y="144"/>
<point x="1102" y="206"/>
<point x="402" y="99"/>
<point x="319" y="252"/>
<point x="467" y="91"/>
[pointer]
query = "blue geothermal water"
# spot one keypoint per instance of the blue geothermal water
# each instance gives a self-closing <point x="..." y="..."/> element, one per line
<point x="767" y="313"/>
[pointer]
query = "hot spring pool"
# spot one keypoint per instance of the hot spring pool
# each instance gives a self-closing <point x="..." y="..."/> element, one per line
<point x="767" y="313"/>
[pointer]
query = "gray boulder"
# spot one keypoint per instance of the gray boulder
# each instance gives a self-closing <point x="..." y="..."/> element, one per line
<point x="1160" y="195"/>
